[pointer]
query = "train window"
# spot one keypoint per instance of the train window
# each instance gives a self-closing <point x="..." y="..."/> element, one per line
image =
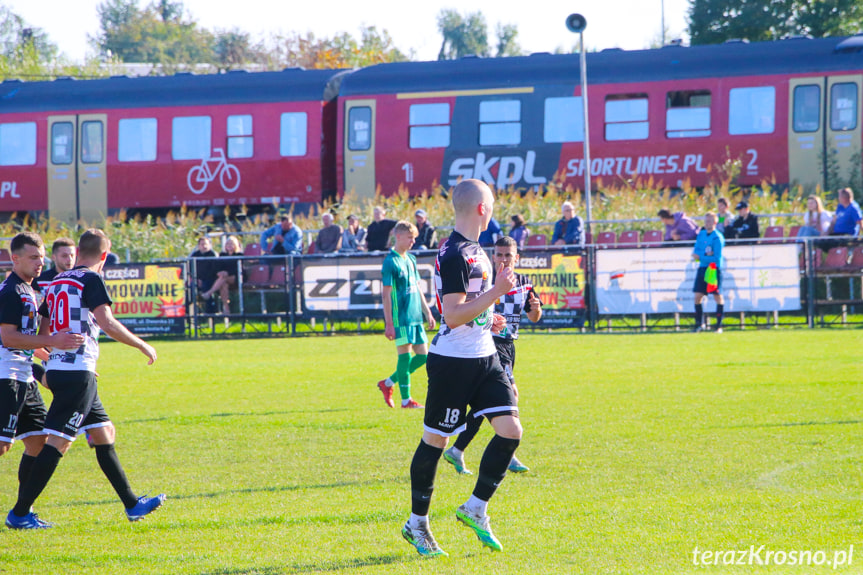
<point x="626" y="117"/>
<point x="807" y="108"/>
<point x="360" y="128"/>
<point x="687" y="114"/>
<point x="18" y="144"/>
<point x="241" y="144"/>
<point x="751" y="110"/>
<point x="62" y="150"/>
<point x="137" y="140"/>
<point x="293" y="138"/>
<point x="429" y="125"/>
<point x="500" y="123"/>
<point x="191" y="137"/>
<point x="843" y="106"/>
<point x="564" y="120"/>
<point x="92" y="142"/>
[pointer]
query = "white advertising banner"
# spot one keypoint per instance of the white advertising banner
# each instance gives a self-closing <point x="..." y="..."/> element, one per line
<point x="659" y="280"/>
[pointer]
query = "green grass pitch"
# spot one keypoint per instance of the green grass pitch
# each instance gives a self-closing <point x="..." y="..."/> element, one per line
<point x="279" y="456"/>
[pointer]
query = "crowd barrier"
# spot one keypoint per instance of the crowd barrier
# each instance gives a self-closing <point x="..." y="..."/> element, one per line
<point x="591" y="288"/>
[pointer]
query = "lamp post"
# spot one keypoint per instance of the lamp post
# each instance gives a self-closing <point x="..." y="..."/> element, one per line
<point x="576" y="23"/>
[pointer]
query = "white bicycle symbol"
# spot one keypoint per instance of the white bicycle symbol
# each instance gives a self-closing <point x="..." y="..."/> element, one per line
<point x="200" y="176"/>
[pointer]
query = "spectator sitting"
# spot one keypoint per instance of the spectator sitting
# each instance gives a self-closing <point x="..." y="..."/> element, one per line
<point x="569" y="229"/>
<point x="491" y="234"/>
<point x="329" y="239"/>
<point x="226" y="273"/>
<point x="354" y="236"/>
<point x="816" y="221"/>
<point x="724" y="218"/>
<point x="427" y="238"/>
<point x="519" y="231"/>
<point x="678" y="227"/>
<point x="846" y="221"/>
<point x="288" y="238"/>
<point x="205" y="271"/>
<point x="378" y="233"/>
<point x="746" y="224"/>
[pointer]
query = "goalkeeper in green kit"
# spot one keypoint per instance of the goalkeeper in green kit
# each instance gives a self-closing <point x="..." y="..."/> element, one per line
<point x="404" y="308"/>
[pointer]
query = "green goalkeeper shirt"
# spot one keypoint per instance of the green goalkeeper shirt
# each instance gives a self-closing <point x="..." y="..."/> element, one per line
<point x="401" y="274"/>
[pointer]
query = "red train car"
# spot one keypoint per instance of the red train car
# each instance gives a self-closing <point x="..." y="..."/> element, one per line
<point x="83" y="149"/>
<point x="789" y="111"/>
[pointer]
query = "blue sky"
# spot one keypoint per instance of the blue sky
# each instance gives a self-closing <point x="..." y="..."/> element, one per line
<point x="628" y="24"/>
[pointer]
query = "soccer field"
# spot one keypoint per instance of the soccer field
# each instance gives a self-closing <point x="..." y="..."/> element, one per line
<point x="279" y="456"/>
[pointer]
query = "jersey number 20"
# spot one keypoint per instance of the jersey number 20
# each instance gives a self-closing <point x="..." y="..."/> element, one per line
<point x="58" y="305"/>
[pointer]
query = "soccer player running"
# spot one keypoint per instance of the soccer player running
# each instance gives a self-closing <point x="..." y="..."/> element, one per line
<point x="22" y="411"/>
<point x="78" y="300"/>
<point x="464" y="369"/>
<point x="404" y="307"/>
<point x="522" y="297"/>
<point x="708" y="253"/>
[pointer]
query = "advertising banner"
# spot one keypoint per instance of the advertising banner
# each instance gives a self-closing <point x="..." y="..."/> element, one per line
<point x="148" y="298"/>
<point x="559" y="281"/>
<point x="659" y="280"/>
<point x="353" y="284"/>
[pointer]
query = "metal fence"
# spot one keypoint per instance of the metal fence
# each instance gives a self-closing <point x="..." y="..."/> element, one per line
<point x="774" y="283"/>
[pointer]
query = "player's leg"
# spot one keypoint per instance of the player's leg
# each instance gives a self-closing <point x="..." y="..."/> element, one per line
<point x="103" y="435"/>
<point x="11" y="399"/>
<point x="73" y="396"/>
<point x="450" y="383"/>
<point x="31" y="424"/>
<point x="495" y="400"/>
<point x="699" y="311"/>
<point x="455" y="454"/>
<point x="421" y="350"/>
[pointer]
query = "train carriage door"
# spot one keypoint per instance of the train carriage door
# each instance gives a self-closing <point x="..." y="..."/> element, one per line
<point x="360" y="148"/>
<point x="806" y="133"/>
<point x="843" y="132"/>
<point x="62" y="172"/>
<point x="92" y="180"/>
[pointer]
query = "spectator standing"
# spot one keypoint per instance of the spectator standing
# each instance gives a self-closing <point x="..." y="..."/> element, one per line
<point x="519" y="231"/>
<point x="745" y="226"/>
<point x="708" y="253"/>
<point x="816" y="221"/>
<point x="846" y="221"/>
<point x="354" y="236"/>
<point x="491" y="234"/>
<point x="678" y="227"/>
<point x="427" y="238"/>
<point x="378" y="233"/>
<point x="205" y="271"/>
<point x="329" y="239"/>
<point x="287" y="238"/>
<point x="724" y="217"/>
<point x="569" y="229"/>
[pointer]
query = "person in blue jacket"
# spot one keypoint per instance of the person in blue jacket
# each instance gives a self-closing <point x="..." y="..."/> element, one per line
<point x="708" y="279"/>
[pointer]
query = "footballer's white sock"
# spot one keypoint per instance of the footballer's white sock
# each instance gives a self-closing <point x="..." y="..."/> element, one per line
<point x="477" y="506"/>
<point x="406" y="401"/>
<point x="456" y="451"/>
<point x="418" y="521"/>
<point x="389" y="382"/>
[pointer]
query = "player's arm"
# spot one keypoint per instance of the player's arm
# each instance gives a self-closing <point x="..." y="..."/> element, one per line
<point x="458" y="311"/>
<point x="12" y="338"/>
<point x="389" y="326"/>
<point x="428" y="312"/>
<point x="110" y="325"/>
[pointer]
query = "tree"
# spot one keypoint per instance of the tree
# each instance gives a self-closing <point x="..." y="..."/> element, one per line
<point x="18" y="40"/>
<point x="158" y="34"/>
<point x="468" y="36"/>
<point x="715" y="21"/>
<point x="233" y="49"/>
<point x="341" y="51"/>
